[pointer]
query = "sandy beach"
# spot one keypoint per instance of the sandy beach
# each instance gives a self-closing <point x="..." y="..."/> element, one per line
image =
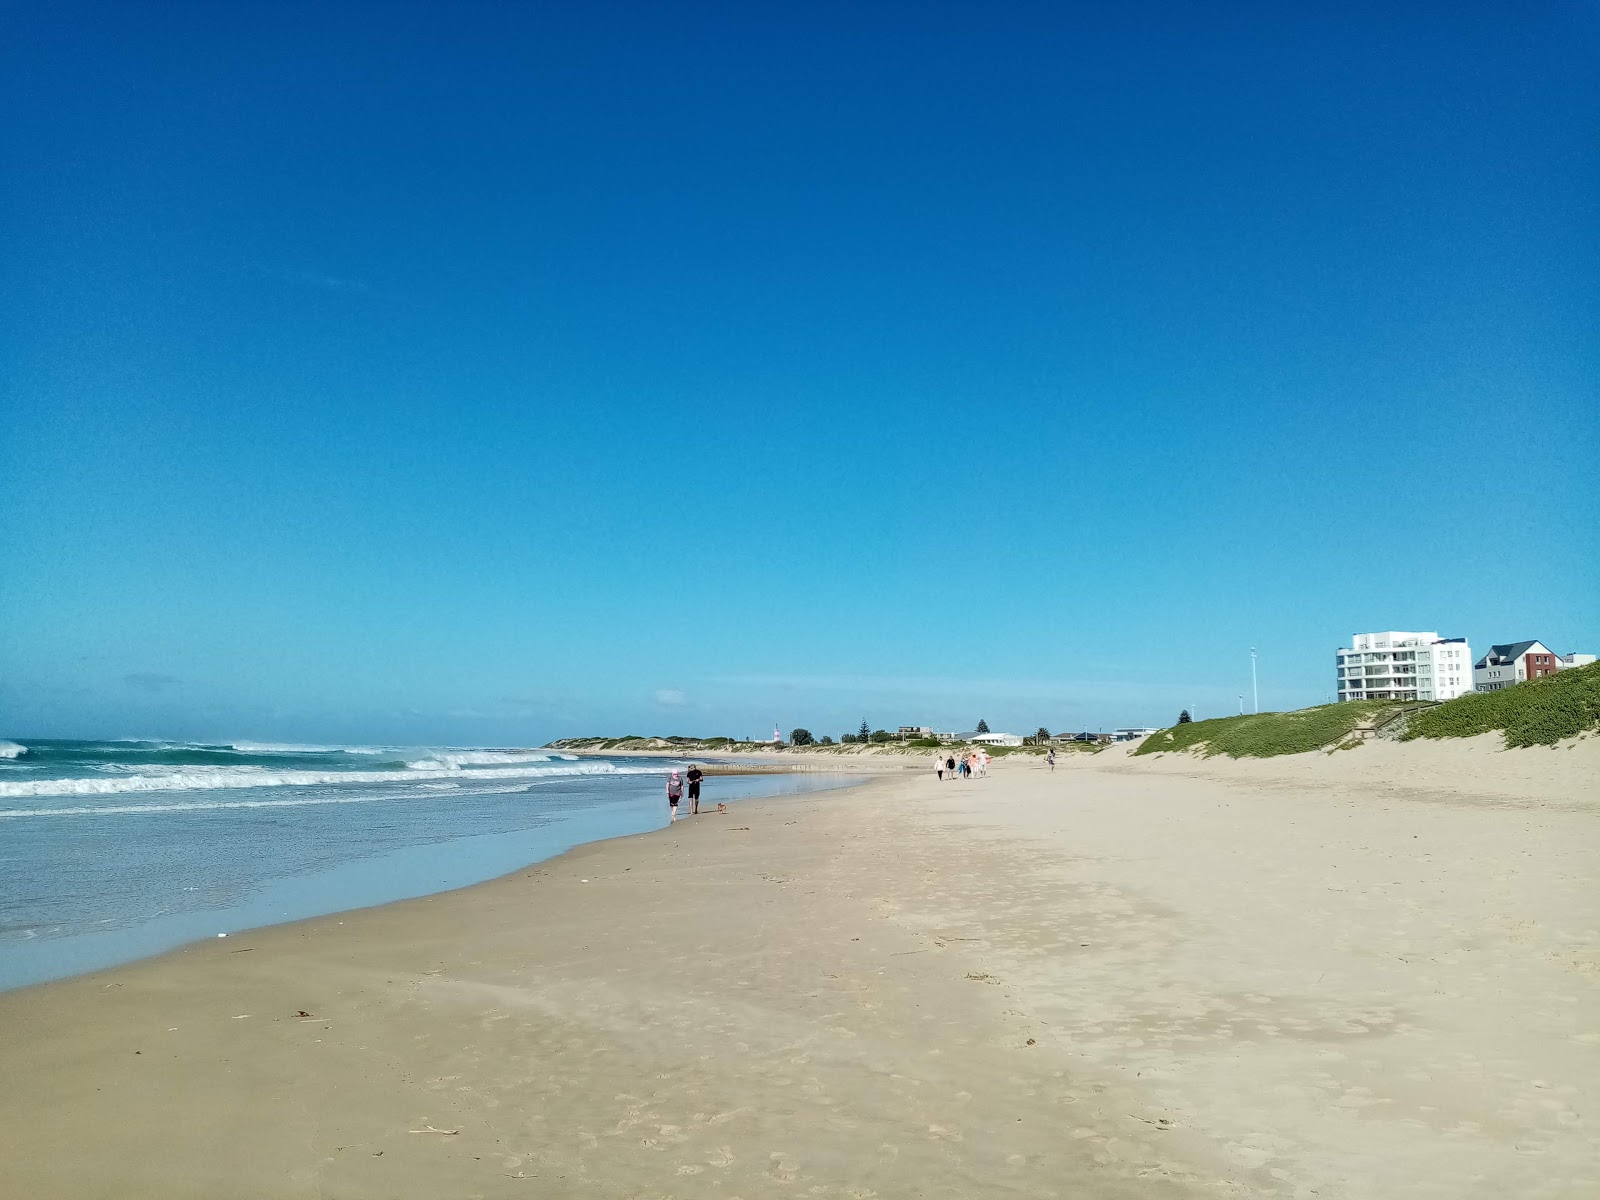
<point x="1370" y="974"/>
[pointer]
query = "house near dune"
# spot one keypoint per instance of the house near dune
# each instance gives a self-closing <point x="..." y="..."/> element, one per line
<point x="1517" y="662"/>
<point x="994" y="739"/>
<point x="974" y="738"/>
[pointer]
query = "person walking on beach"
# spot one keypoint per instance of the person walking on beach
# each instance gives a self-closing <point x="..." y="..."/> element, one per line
<point x="695" y="776"/>
<point x="938" y="766"/>
<point x="1051" y="758"/>
<point x="950" y="766"/>
<point x="674" y="793"/>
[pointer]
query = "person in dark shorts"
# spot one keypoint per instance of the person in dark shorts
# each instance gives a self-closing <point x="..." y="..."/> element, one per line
<point x="674" y="793"/>
<point x="695" y="776"/>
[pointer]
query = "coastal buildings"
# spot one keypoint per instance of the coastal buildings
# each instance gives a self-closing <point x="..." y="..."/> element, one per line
<point x="914" y="732"/>
<point x="1518" y="662"/>
<point x="1396" y="665"/>
<point x="995" y="739"/>
<point x="973" y="738"/>
<point x="1513" y="663"/>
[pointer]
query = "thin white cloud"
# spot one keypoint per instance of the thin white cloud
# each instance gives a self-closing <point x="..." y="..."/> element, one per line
<point x="329" y="283"/>
<point x="149" y="681"/>
<point x="934" y="686"/>
<point x="670" y="698"/>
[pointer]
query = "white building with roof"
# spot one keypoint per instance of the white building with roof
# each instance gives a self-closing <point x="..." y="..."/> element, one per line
<point x="1517" y="662"/>
<point x="1396" y="665"/>
<point x="1513" y="663"/>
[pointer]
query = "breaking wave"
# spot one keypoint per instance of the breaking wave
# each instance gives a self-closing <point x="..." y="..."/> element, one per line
<point x="298" y="748"/>
<point x="476" y="758"/>
<point x="208" y="778"/>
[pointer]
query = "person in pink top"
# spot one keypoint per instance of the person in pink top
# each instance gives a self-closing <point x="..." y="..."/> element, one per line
<point x="674" y="793"/>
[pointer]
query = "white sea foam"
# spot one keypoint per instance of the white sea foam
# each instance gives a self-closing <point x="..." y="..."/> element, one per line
<point x="207" y="778"/>
<point x="299" y="748"/>
<point x="12" y="750"/>
<point x="475" y="758"/>
<point x="200" y="805"/>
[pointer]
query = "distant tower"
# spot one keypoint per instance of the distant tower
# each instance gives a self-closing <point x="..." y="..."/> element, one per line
<point x="776" y="736"/>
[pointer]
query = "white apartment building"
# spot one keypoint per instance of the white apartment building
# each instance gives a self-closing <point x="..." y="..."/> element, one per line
<point x="1404" y="666"/>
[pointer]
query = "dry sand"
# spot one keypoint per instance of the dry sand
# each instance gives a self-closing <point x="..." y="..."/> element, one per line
<point x="1334" y="976"/>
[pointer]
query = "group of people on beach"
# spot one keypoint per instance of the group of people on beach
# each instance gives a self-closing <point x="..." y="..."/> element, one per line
<point x="675" y="790"/>
<point x="973" y="764"/>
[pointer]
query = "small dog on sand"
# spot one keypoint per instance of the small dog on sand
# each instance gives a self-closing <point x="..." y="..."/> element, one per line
<point x="722" y="808"/>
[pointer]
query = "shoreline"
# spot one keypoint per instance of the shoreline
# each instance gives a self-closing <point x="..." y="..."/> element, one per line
<point x="1110" y="981"/>
<point x="209" y="944"/>
<point x="74" y="956"/>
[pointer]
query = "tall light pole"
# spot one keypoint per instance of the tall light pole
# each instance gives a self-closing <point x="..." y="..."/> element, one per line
<point x="1255" y="692"/>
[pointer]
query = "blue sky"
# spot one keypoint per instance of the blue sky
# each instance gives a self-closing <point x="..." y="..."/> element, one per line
<point x="490" y="373"/>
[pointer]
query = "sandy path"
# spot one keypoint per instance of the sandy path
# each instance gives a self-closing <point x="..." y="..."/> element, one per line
<point x="1233" y="988"/>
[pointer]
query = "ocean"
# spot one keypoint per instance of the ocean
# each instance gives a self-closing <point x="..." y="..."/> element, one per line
<point x="114" y="850"/>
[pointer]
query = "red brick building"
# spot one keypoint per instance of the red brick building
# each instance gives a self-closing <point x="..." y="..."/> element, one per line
<point x="1513" y="663"/>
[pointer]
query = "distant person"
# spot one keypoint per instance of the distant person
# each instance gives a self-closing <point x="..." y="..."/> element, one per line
<point x="1051" y="758"/>
<point x="983" y="764"/>
<point x="938" y="766"/>
<point x="695" y="776"/>
<point x="674" y="793"/>
<point x="950" y="766"/>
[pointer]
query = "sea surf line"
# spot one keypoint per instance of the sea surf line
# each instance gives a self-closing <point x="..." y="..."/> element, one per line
<point x="89" y="884"/>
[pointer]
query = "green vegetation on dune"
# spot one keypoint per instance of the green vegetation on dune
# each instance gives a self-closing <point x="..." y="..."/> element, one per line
<point x="1265" y="735"/>
<point x="875" y="745"/>
<point x="1540" y="712"/>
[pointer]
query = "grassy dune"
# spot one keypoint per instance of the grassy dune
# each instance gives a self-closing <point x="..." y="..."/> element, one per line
<point x="1540" y="712"/>
<point x="1265" y="735"/>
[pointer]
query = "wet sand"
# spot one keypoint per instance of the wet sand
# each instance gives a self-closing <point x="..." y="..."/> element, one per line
<point x="1126" y="978"/>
